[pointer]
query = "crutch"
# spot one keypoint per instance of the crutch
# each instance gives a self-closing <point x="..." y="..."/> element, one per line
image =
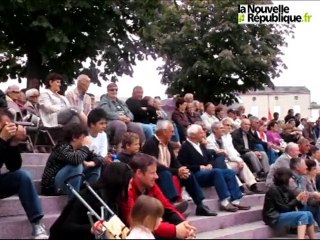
<point x="114" y="227"/>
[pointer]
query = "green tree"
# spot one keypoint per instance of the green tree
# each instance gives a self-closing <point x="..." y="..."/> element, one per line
<point x="208" y="53"/>
<point x="37" y="37"/>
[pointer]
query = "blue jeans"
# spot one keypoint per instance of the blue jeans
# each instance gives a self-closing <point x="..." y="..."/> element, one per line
<point x="294" y="219"/>
<point x="315" y="210"/>
<point x="149" y="130"/>
<point x="272" y="155"/>
<point x="71" y="170"/>
<point x="20" y="182"/>
<point x="219" y="159"/>
<point x="224" y="181"/>
<point x="168" y="188"/>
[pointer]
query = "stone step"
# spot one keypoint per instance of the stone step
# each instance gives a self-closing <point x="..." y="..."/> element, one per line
<point x="50" y="204"/>
<point x="35" y="170"/>
<point x="213" y="204"/>
<point x="292" y="236"/>
<point x="18" y="227"/>
<point x="253" y="230"/>
<point x="34" y="158"/>
<point x="210" y="192"/>
<point x="226" y="219"/>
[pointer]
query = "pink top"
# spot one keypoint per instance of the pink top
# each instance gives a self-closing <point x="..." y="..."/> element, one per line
<point x="274" y="137"/>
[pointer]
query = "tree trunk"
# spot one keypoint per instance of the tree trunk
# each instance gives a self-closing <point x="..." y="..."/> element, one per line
<point x="34" y="73"/>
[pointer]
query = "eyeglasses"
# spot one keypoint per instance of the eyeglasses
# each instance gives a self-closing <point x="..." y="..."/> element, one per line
<point x="228" y="125"/>
<point x="113" y="90"/>
<point x="15" y="92"/>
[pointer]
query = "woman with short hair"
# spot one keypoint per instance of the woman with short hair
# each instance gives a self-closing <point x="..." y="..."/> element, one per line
<point x="55" y="108"/>
<point x="280" y="209"/>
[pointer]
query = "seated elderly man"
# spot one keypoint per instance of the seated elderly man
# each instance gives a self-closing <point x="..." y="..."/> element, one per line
<point x="291" y="151"/>
<point x="216" y="142"/>
<point x="140" y="111"/>
<point x="78" y="97"/>
<point x="119" y="117"/>
<point x="196" y="157"/>
<point x="160" y="147"/>
<point x="244" y="143"/>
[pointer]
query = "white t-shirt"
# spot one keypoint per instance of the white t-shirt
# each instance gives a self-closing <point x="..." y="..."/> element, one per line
<point x="99" y="144"/>
<point x="140" y="233"/>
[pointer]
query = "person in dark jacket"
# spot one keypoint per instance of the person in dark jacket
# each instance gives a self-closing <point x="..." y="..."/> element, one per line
<point x="180" y="118"/>
<point x="73" y="223"/>
<point x="16" y="180"/>
<point x="130" y="145"/>
<point x="160" y="147"/>
<point x="192" y="115"/>
<point x="140" y="111"/>
<point x="244" y="143"/>
<point x="280" y="206"/>
<point x="70" y="157"/>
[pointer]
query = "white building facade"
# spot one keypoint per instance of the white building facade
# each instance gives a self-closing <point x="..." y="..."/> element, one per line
<point x="259" y="103"/>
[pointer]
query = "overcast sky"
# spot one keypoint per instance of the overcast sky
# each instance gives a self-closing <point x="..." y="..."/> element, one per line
<point x="301" y="57"/>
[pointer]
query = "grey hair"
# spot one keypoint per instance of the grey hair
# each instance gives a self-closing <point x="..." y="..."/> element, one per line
<point x="227" y="119"/>
<point x="188" y="95"/>
<point x="253" y="118"/>
<point x="290" y="146"/>
<point x="295" y="162"/>
<point x="193" y="129"/>
<point x="162" y="124"/>
<point x="83" y="77"/>
<point x="216" y="125"/>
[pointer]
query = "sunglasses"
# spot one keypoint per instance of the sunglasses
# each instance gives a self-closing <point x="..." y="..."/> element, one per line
<point x="113" y="90"/>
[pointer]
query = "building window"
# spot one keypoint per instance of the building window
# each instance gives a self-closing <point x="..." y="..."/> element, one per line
<point x="254" y="98"/>
<point x="276" y="98"/>
<point x="296" y="97"/>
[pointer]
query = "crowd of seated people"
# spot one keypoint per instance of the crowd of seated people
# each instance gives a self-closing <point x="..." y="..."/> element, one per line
<point x="195" y="145"/>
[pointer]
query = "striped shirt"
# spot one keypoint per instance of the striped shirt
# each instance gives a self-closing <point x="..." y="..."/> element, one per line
<point x="62" y="155"/>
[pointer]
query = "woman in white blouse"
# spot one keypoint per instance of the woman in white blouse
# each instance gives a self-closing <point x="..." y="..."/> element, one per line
<point x="208" y="117"/>
<point x="55" y="109"/>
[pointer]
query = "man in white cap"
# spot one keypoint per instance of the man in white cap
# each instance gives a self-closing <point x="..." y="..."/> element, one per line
<point x="78" y="97"/>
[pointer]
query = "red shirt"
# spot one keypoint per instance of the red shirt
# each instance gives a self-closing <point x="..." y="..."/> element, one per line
<point x="166" y="229"/>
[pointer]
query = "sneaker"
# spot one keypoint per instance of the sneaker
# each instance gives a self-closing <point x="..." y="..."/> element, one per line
<point x="186" y="196"/>
<point x="39" y="232"/>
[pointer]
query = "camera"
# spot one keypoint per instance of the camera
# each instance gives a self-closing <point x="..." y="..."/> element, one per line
<point x="24" y="124"/>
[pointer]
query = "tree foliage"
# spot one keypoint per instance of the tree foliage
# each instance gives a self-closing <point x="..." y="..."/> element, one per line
<point x="37" y="37"/>
<point x="208" y="53"/>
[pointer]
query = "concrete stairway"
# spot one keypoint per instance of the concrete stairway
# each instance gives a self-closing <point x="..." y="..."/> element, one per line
<point x="13" y="221"/>
<point x="242" y="224"/>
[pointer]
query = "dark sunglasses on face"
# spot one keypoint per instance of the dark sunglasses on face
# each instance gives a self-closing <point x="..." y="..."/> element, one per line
<point x="113" y="90"/>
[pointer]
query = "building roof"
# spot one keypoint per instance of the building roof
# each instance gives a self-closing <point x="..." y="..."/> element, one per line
<point x="280" y="90"/>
